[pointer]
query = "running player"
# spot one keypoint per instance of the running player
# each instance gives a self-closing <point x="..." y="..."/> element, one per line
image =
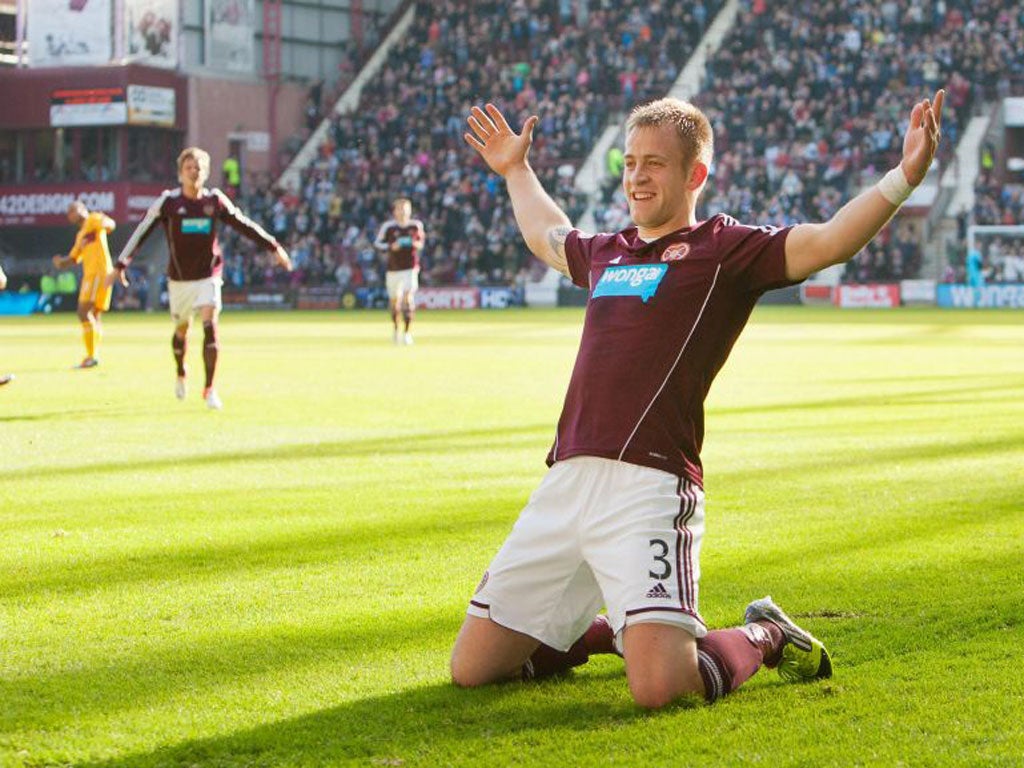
<point x="191" y="216"/>
<point x="92" y="252"/>
<point x="618" y="519"/>
<point x="5" y="378"/>
<point x="402" y="239"/>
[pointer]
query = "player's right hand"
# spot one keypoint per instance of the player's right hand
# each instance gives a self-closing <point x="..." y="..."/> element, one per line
<point x="118" y="276"/>
<point x="500" y="147"/>
<point x="57" y="259"/>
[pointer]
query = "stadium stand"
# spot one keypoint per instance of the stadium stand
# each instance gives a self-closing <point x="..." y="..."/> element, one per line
<point x="798" y="137"/>
<point x="571" y="68"/>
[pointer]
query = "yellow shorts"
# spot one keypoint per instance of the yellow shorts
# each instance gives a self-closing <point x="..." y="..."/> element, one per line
<point x="95" y="291"/>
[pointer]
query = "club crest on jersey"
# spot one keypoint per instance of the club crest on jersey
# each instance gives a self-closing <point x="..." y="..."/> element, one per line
<point x="208" y="210"/>
<point x="632" y="280"/>
<point x="676" y="252"/>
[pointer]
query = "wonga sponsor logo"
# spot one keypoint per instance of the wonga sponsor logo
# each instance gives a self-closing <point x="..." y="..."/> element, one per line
<point x="635" y="280"/>
<point x="1008" y="296"/>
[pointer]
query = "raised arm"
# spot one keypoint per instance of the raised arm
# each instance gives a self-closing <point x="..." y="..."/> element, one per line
<point x="812" y="247"/>
<point x="543" y="224"/>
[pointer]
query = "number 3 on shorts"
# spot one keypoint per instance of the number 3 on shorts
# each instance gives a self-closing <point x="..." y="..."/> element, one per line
<point x="665" y="568"/>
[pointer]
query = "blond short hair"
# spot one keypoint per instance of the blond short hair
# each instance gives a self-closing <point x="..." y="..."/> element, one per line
<point x="201" y="156"/>
<point x="691" y="126"/>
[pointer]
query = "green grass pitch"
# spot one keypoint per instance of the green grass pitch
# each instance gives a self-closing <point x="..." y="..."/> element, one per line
<point x="279" y="584"/>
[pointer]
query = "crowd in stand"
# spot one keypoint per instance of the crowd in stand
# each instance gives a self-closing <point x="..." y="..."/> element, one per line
<point x="573" y="64"/>
<point x="808" y="102"/>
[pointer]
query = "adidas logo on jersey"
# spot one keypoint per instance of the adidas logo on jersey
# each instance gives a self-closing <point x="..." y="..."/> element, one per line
<point x="658" y="590"/>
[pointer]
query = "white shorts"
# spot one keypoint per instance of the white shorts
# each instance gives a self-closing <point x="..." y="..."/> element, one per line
<point x="401" y="282"/>
<point x="598" y="532"/>
<point x="188" y="296"/>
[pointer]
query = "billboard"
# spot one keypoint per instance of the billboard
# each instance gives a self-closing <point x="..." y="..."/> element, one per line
<point x="69" y="33"/>
<point x="868" y="296"/>
<point x="1004" y="296"/>
<point x="46" y="205"/>
<point x="151" y="30"/>
<point x="148" y="105"/>
<point x="448" y="297"/>
<point x="88" y="106"/>
<point x="231" y="35"/>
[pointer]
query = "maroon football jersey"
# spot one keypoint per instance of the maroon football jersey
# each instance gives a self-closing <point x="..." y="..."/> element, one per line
<point x="410" y="242"/>
<point x="191" y="226"/>
<point x="661" y="319"/>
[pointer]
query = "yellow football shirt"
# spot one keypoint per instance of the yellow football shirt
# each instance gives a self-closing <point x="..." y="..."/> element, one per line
<point x="91" y="249"/>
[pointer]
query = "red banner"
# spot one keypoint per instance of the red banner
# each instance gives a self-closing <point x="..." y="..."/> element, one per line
<point x="35" y="205"/>
<point x="867" y="296"/>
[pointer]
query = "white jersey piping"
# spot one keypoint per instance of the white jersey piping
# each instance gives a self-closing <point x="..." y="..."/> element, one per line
<point x="679" y="357"/>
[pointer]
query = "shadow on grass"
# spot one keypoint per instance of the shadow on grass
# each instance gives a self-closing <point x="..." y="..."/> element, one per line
<point x="398" y="444"/>
<point x="881" y="399"/>
<point x="204" y="662"/>
<point x="878" y="457"/>
<point x="63" y="415"/>
<point x="432" y="725"/>
<point x="180" y="562"/>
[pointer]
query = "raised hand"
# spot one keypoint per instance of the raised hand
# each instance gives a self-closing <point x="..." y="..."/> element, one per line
<point x="922" y="139"/>
<point x="501" y="148"/>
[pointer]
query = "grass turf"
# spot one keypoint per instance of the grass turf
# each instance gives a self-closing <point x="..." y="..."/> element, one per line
<point x="279" y="584"/>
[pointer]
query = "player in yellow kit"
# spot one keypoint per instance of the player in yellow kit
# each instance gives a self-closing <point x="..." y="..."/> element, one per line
<point x="93" y="253"/>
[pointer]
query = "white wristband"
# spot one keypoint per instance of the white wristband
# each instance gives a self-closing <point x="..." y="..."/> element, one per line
<point x="894" y="186"/>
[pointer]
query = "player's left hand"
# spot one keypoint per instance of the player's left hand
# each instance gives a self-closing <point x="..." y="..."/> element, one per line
<point x="58" y="261"/>
<point x="923" y="136"/>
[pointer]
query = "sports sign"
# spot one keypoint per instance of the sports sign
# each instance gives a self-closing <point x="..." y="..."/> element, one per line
<point x="453" y="297"/>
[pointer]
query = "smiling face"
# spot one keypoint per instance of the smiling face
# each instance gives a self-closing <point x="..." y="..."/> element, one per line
<point x="661" y="187"/>
<point x="193" y="170"/>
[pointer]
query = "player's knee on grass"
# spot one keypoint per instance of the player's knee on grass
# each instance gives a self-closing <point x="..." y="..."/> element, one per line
<point x="486" y="652"/>
<point x="661" y="664"/>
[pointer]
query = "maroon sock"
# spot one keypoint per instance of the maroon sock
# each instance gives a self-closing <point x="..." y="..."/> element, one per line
<point x="600" y="638"/>
<point x="210" y="351"/>
<point x="547" y="662"/>
<point x="178" y="345"/>
<point x="727" y="658"/>
<point x="769" y="638"/>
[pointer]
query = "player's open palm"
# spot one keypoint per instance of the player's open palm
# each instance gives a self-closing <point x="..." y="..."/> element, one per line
<point x="501" y="148"/>
<point x="922" y="139"/>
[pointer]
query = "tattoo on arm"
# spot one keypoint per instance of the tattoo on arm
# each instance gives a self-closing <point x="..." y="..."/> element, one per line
<point x="556" y="239"/>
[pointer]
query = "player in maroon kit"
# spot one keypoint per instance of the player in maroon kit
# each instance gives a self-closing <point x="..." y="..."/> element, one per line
<point x="6" y="378"/>
<point x="401" y="238"/>
<point x="191" y="216"/>
<point x="618" y="519"/>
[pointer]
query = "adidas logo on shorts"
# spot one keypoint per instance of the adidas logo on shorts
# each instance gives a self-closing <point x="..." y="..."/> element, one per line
<point x="658" y="590"/>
